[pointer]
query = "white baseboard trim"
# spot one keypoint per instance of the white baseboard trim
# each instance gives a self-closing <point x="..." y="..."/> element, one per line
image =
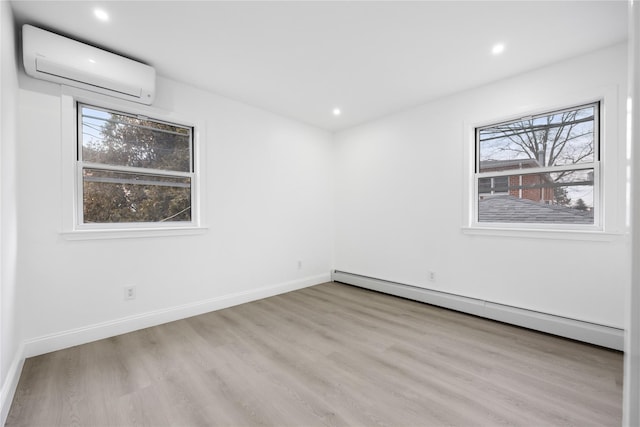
<point x="11" y="384"/>
<point x="605" y="336"/>
<point x="86" y="334"/>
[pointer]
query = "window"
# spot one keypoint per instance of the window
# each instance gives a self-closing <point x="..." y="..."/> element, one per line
<point x="493" y="185"/>
<point x="133" y="170"/>
<point x="541" y="169"/>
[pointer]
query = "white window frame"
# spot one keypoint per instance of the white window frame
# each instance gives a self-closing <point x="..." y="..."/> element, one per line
<point x="609" y="198"/>
<point x="595" y="165"/>
<point x="73" y="227"/>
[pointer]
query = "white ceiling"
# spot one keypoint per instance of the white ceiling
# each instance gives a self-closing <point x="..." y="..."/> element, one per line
<point x="302" y="59"/>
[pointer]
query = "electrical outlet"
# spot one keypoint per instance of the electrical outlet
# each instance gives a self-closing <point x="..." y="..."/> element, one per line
<point x="129" y="292"/>
<point x="432" y="276"/>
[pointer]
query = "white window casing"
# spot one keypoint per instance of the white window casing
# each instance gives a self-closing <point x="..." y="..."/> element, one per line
<point x="608" y="223"/>
<point x="73" y="225"/>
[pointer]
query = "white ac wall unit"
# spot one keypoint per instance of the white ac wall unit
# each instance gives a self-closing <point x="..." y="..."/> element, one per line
<point x="51" y="57"/>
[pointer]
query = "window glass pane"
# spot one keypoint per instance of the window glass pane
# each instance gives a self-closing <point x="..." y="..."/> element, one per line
<point x="122" y="140"/>
<point x="117" y="197"/>
<point x="558" y="197"/>
<point x="555" y="139"/>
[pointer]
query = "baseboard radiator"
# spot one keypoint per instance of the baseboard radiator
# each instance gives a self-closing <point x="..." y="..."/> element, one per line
<point x="605" y="336"/>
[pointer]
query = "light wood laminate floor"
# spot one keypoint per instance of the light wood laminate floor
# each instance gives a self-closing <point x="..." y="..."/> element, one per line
<point x="331" y="354"/>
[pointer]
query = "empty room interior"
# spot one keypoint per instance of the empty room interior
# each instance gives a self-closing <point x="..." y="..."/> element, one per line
<point x="319" y="213"/>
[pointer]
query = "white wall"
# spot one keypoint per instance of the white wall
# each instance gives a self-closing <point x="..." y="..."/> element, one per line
<point x="267" y="205"/>
<point x="631" y="380"/>
<point x="401" y="199"/>
<point x="10" y="337"/>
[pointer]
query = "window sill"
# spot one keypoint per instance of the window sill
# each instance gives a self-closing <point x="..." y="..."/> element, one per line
<point x="131" y="233"/>
<point x="585" y="235"/>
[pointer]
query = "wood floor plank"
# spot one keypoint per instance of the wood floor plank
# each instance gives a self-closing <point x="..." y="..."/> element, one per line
<point x="328" y="355"/>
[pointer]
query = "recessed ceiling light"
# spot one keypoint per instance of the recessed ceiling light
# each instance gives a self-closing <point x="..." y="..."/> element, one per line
<point x="497" y="49"/>
<point x="101" y="15"/>
<point x="336" y="112"/>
